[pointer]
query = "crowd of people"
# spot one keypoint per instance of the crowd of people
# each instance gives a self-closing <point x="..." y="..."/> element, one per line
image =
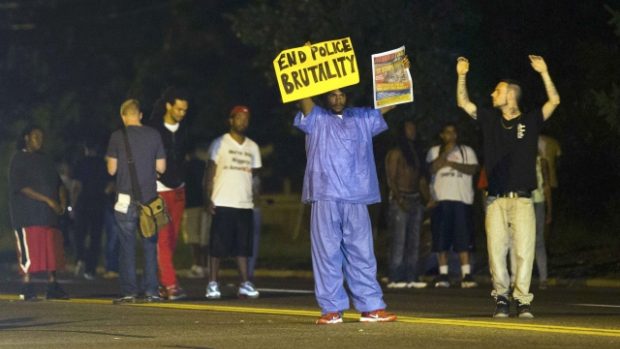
<point x="210" y="197"/>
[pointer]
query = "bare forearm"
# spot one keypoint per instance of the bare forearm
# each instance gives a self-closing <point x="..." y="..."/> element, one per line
<point x="462" y="96"/>
<point x="306" y="106"/>
<point x="385" y="110"/>
<point x="465" y="168"/>
<point x="439" y="163"/>
<point x="35" y="195"/>
<point x="63" y="195"/>
<point x="552" y="93"/>
<point x="208" y="183"/>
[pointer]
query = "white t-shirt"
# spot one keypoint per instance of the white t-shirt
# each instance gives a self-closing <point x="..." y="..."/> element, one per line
<point x="449" y="184"/>
<point x="232" y="185"/>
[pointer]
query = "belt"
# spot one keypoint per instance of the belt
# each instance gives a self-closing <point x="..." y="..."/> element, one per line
<point x="513" y="194"/>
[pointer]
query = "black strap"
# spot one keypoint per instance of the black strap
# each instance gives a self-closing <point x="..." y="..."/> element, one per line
<point x="135" y="188"/>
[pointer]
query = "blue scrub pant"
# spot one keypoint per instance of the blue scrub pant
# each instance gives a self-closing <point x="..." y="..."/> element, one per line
<point x="342" y="248"/>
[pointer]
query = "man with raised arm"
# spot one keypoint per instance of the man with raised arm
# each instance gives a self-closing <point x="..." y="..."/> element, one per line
<point x="340" y="181"/>
<point x="510" y="147"/>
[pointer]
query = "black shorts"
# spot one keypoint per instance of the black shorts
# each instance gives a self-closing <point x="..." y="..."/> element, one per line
<point x="231" y="232"/>
<point x="452" y="227"/>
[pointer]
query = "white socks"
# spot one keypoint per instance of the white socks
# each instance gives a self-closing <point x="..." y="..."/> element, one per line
<point x="465" y="269"/>
<point x="443" y="269"/>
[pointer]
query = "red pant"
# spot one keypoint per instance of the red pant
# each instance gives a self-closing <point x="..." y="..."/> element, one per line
<point x="168" y="235"/>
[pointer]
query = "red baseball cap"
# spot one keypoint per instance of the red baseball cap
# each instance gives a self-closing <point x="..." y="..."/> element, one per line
<point x="239" y="109"/>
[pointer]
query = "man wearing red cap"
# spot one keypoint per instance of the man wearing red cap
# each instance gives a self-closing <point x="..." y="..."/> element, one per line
<point x="233" y="160"/>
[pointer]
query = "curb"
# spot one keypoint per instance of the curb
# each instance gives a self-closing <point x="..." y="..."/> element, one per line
<point x="481" y="279"/>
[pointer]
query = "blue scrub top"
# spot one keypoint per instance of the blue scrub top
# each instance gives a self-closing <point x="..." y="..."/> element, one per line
<point x="340" y="160"/>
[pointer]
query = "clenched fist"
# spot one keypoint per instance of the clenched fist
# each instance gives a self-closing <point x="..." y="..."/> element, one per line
<point x="462" y="66"/>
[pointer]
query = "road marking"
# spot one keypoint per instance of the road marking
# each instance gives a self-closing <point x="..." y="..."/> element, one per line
<point x="597" y="305"/>
<point x="521" y="326"/>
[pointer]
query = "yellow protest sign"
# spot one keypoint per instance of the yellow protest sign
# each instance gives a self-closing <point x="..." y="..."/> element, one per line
<point x="311" y="70"/>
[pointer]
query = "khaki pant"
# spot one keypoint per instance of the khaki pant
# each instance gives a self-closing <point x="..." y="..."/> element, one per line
<point x="510" y="222"/>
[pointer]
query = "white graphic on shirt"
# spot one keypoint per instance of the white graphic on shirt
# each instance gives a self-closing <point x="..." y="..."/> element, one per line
<point x="520" y="131"/>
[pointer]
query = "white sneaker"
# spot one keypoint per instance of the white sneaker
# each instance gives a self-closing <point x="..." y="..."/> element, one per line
<point x="213" y="290"/>
<point x="417" y="284"/>
<point x="79" y="269"/>
<point x="468" y="282"/>
<point x="246" y="289"/>
<point x="400" y="284"/>
<point x="196" y="272"/>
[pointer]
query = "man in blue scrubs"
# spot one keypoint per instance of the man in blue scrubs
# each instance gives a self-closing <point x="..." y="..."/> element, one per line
<point x="340" y="181"/>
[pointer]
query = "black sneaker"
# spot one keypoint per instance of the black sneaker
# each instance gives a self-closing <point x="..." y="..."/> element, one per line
<point x="125" y="300"/>
<point x="54" y="291"/>
<point x="502" y="307"/>
<point x="524" y="311"/>
<point x="442" y="281"/>
<point x="27" y="293"/>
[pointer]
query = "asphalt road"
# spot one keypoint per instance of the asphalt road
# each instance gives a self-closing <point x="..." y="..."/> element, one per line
<point x="284" y="318"/>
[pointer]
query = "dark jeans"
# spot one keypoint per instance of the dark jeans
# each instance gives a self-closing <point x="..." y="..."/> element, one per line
<point x="112" y="232"/>
<point x="88" y="223"/>
<point x="128" y="224"/>
<point x="257" y="225"/>
<point x="405" y="226"/>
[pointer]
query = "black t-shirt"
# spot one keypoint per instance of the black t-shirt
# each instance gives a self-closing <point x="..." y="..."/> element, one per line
<point x="510" y="149"/>
<point x="146" y="148"/>
<point x="91" y="172"/>
<point x="194" y="170"/>
<point x="35" y="171"/>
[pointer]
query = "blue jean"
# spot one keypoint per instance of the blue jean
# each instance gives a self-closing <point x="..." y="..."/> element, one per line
<point x="404" y="227"/>
<point x="342" y="247"/>
<point x="112" y="232"/>
<point x="128" y="224"/>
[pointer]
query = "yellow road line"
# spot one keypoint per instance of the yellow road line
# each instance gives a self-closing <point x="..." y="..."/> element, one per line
<point x="584" y="331"/>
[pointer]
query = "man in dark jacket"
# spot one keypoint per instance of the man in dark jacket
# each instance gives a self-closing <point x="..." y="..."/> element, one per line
<point x="167" y="118"/>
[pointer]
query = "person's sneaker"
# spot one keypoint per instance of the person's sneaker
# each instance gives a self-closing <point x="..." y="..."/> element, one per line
<point x="417" y="284"/>
<point x="28" y="293"/>
<point x="543" y="285"/>
<point x="89" y="276"/>
<point x="175" y="293"/>
<point x="502" y="307"/>
<point x="329" y="319"/>
<point x="399" y="284"/>
<point x="213" y="291"/>
<point x="196" y="272"/>
<point x="79" y="269"/>
<point x="54" y="291"/>
<point x="524" y="311"/>
<point x="468" y="282"/>
<point x="442" y="281"/>
<point x="379" y="315"/>
<point x="125" y="300"/>
<point x="247" y="289"/>
<point x="110" y="275"/>
<point x="152" y="299"/>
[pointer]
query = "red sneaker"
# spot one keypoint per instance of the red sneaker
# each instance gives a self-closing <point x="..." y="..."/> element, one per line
<point x="379" y="315"/>
<point x="329" y="319"/>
